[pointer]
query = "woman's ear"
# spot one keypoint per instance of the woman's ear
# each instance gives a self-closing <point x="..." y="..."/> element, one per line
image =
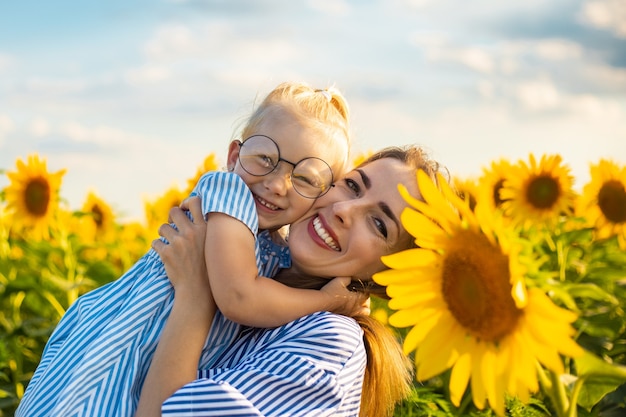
<point x="233" y="155"/>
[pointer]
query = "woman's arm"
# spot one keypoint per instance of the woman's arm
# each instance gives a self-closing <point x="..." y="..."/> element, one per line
<point x="311" y="366"/>
<point x="175" y="361"/>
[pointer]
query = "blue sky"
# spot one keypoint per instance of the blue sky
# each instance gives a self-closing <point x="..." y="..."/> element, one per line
<point x="129" y="96"/>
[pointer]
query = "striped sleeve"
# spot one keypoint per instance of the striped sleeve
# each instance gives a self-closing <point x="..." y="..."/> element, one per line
<point x="313" y="366"/>
<point x="225" y="192"/>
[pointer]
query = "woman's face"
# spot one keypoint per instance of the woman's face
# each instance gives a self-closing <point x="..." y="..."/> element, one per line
<point x="355" y="223"/>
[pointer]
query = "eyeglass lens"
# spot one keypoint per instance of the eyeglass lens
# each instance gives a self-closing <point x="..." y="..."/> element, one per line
<point x="259" y="155"/>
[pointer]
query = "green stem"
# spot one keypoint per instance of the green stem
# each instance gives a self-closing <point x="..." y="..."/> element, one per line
<point x="561" y="257"/>
<point x="558" y="395"/>
<point x="464" y="403"/>
<point x="578" y="385"/>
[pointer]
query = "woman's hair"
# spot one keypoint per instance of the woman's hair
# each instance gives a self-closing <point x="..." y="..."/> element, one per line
<point x="388" y="374"/>
<point x="323" y="110"/>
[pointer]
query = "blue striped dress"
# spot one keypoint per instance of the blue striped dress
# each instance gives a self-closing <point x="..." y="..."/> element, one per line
<point x="96" y="360"/>
<point x="313" y="366"/>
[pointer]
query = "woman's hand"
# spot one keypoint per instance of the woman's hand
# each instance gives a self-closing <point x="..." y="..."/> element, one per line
<point x="346" y="302"/>
<point x="183" y="256"/>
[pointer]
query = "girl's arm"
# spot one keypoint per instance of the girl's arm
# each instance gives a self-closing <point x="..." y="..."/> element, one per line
<point x="246" y="298"/>
<point x="175" y="361"/>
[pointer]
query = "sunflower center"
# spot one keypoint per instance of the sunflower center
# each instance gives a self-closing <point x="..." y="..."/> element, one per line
<point x="612" y="201"/>
<point x="497" y="201"/>
<point x="543" y="192"/>
<point x="97" y="215"/>
<point x="476" y="286"/>
<point x="37" y="196"/>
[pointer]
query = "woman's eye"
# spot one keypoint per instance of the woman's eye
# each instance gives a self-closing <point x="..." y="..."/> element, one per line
<point x="381" y="226"/>
<point x="353" y="185"/>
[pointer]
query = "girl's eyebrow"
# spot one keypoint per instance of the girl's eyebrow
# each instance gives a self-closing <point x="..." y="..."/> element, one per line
<point x="383" y="206"/>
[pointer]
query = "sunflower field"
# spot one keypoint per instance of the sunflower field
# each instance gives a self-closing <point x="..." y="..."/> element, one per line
<point x="512" y="304"/>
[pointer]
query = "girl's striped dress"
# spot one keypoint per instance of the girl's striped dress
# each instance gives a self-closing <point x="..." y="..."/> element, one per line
<point x="97" y="358"/>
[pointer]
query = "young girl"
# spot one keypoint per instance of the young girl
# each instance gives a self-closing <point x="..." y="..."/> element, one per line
<point x="98" y="356"/>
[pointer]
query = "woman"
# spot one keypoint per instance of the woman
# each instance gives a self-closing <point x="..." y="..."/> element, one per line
<point x="314" y="365"/>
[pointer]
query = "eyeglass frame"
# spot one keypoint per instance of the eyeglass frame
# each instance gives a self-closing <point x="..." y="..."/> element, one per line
<point x="293" y="166"/>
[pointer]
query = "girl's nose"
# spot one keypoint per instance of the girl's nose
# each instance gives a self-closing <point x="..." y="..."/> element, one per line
<point x="279" y="180"/>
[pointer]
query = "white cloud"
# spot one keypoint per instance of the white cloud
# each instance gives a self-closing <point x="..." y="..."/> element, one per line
<point x="55" y="86"/>
<point x="557" y="49"/>
<point x="39" y="127"/>
<point x="6" y="126"/>
<point x="6" y="61"/>
<point x="606" y="14"/>
<point x="103" y="135"/>
<point x="331" y="7"/>
<point x="436" y="49"/>
<point x="611" y="77"/>
<point x="171" y="42"/>
<point x="148" y="74"/>
<point x="217" y="44"/>
<point x="538" y="95"/>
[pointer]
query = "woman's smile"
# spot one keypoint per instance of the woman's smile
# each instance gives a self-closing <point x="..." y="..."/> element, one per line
<point x="320" y="231"/>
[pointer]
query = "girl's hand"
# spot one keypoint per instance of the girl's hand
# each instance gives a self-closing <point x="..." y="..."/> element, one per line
<point x="184" y="255"/>
<point x="346" y="302"/>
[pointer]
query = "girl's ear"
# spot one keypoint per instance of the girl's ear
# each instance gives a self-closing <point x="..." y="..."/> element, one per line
<point x="233" y="154"/>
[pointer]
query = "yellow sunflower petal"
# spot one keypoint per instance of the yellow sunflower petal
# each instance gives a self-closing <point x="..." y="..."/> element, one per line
<point x="459" y="378"/>
<point x="434" y="352"/>
<point x="416" y="334"/>
<point x="409" y="299"/>
<point x="418" y="225"/>
<point x="410" y="258"/>
<point x="543" y="306"/>
<point x="479" y="394"/>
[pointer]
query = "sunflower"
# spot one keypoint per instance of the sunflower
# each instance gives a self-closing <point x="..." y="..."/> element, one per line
<point x="98" y="220"/>
<point x="492" y="180"/>
<point x="157" y="212"/>
<point x="603" y="201"/>
<point x="33" y="196"/>
<point x="464" y="294"/>
<point x="209" y="164"/>
<point x="362" y="157"/>
<point x="467" y="189"/>
<point x="538" y="193"/>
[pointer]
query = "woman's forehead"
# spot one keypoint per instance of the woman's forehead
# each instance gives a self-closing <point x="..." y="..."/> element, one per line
<point x="387" y="173"/>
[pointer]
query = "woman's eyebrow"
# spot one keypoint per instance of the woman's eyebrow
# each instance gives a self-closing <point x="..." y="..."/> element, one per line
<point x="383" y="206"/>
<point x="366" y="180"/>
<point x="387" y="210"/>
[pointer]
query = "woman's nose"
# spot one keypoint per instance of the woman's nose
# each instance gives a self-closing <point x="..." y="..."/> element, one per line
<point x="344" y="211"/>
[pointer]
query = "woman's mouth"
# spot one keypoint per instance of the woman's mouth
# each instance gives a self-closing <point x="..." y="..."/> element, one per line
<point x="324" y="235"/>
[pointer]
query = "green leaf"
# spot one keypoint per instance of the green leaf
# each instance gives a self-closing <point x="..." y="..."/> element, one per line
<point x="591" y="291"/>
<point x="599" y="379"/>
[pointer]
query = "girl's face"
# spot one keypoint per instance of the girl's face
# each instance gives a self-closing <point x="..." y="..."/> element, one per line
<point x="277" y="202"/>
<point x="355" y="223"/>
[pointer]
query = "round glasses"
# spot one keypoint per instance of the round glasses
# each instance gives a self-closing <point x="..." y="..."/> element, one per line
<point x="259" y="155"/>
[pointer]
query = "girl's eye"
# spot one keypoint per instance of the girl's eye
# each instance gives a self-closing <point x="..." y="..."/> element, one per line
<point x="380" y="226"/>
<point x="353" y="185"/>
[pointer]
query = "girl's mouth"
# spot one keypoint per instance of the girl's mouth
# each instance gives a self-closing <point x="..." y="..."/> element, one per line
<point x="266" y="203"/>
